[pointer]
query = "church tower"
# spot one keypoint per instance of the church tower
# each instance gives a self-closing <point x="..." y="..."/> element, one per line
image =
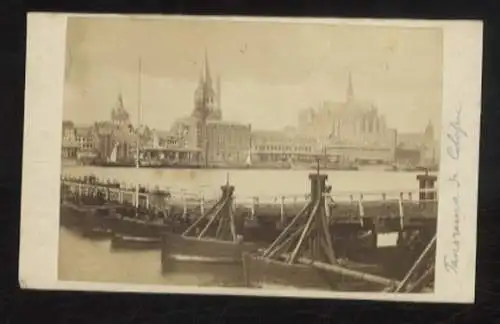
<point x="430" y="148"/>
<point x="429" y="132"/>
<point x="217" y="113"/>
<point x="205" y="97"/>
<point x="119" y="116"/>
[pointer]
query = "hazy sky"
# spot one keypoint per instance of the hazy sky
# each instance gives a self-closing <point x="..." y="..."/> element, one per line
<point x="269" y="71"/>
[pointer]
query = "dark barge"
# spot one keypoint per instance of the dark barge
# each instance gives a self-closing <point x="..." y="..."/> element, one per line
<point x="212" y="239"/>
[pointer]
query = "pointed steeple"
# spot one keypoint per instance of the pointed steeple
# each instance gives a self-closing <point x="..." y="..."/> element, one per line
<point x="201" y="81"/>
<point x="350" y="89"/>
<point x="208" y="78"/>
<point x="429" y="130"/>
<point x="119" y="115"/>
<point x="120" y="105"/>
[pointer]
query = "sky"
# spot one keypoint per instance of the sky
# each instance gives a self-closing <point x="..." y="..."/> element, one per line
<point x="269" y="71"/>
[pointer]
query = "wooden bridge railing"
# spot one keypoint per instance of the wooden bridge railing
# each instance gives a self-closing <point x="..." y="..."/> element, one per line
<point x="185" y="198"/>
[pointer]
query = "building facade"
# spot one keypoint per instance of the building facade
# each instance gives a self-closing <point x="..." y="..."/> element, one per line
<point x="188" y="131"/>
<point x="68" y="131"/>
<point x="194" y="133"/>
<point x="164" y="139"/>
<point x="352" y="126"/>
<point x="119" y="115"/>
<point x="69" y="147"/>
<point x="418" y="149"/>
<point x="430" y="147"/>
<point x="115" y="140"/>
<point x="228" y="144"/>
<point x="270" y="147"/>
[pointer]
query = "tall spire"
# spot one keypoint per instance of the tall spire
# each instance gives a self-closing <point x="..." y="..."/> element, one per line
<point x="208" y="78"/>
<point x="218" y="93"/>
<point x="201" y="81"/>
<point x="350" y="89"/>
<point x="120" y="105"/>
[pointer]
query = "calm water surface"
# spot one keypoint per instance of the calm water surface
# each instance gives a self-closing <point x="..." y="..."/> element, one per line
<point x="85" y="260"/>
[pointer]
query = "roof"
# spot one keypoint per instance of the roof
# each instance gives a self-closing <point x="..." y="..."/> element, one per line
<point x="82" y="130"/>
<point x="226" y="123"/>
<point x="68" y="124"/>
<point x="340" y="109"/>
<point x="281" y="136"/>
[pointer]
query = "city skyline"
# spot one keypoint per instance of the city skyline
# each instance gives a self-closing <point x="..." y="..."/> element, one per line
<point x="256" y="73"/>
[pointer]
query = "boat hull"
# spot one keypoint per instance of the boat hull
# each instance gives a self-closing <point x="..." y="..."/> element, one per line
<point x="139" y="228"/>
<point x="260" y="272"/>
<point x="177" y="248"/>
<point x="89" y="221"/>
<point x="123" y="242"/>
<point x="134" y="234"/>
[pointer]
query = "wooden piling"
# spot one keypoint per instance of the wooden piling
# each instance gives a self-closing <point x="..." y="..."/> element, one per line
<point x="418" y="263"/>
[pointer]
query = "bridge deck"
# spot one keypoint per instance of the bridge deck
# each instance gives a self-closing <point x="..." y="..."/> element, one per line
<point x="345" y="207"/>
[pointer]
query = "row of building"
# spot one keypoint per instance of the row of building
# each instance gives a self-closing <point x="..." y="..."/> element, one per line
<point x="350" y="131"/>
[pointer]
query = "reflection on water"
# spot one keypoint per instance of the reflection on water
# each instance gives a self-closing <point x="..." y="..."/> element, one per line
<point x="82" y="259"/>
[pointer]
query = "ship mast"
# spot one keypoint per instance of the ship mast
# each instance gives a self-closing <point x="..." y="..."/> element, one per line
<point x="139" y="99"/>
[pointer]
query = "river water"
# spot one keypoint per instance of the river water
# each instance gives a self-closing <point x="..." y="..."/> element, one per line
<point x="86" y="260"/>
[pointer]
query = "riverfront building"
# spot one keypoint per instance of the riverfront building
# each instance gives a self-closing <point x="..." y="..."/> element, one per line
<point x="418" y="149"/>
<point x="69" y="148"/>
<point x="352" y="128"/>
<point x="228" y="143"/>
<point x="282" y="146"/>
<point x="211" y="141"/>
<point x="117" y="135"/>
<point x="350" y="131"/>
<point x="78" y="142"/>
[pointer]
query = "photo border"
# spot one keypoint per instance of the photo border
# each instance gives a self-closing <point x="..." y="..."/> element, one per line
<point x="458" y="180"/>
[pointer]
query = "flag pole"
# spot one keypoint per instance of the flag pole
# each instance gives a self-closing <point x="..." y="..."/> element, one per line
<point x="139" y="99"/>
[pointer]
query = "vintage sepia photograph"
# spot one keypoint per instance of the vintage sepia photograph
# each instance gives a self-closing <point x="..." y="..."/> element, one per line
<point x="254" y="154"/>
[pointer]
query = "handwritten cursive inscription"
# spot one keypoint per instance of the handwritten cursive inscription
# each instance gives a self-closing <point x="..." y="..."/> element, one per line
<point x="455" y="135"/>
<point x="451" y="259"/>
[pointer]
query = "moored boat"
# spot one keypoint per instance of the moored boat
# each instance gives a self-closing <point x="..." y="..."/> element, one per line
<point x="204" y="250"/>
<point x="212" y="238"/>
<point x="124" y="242"/>
<point x="92" y="221"/>
<point x="139" y="233"/>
